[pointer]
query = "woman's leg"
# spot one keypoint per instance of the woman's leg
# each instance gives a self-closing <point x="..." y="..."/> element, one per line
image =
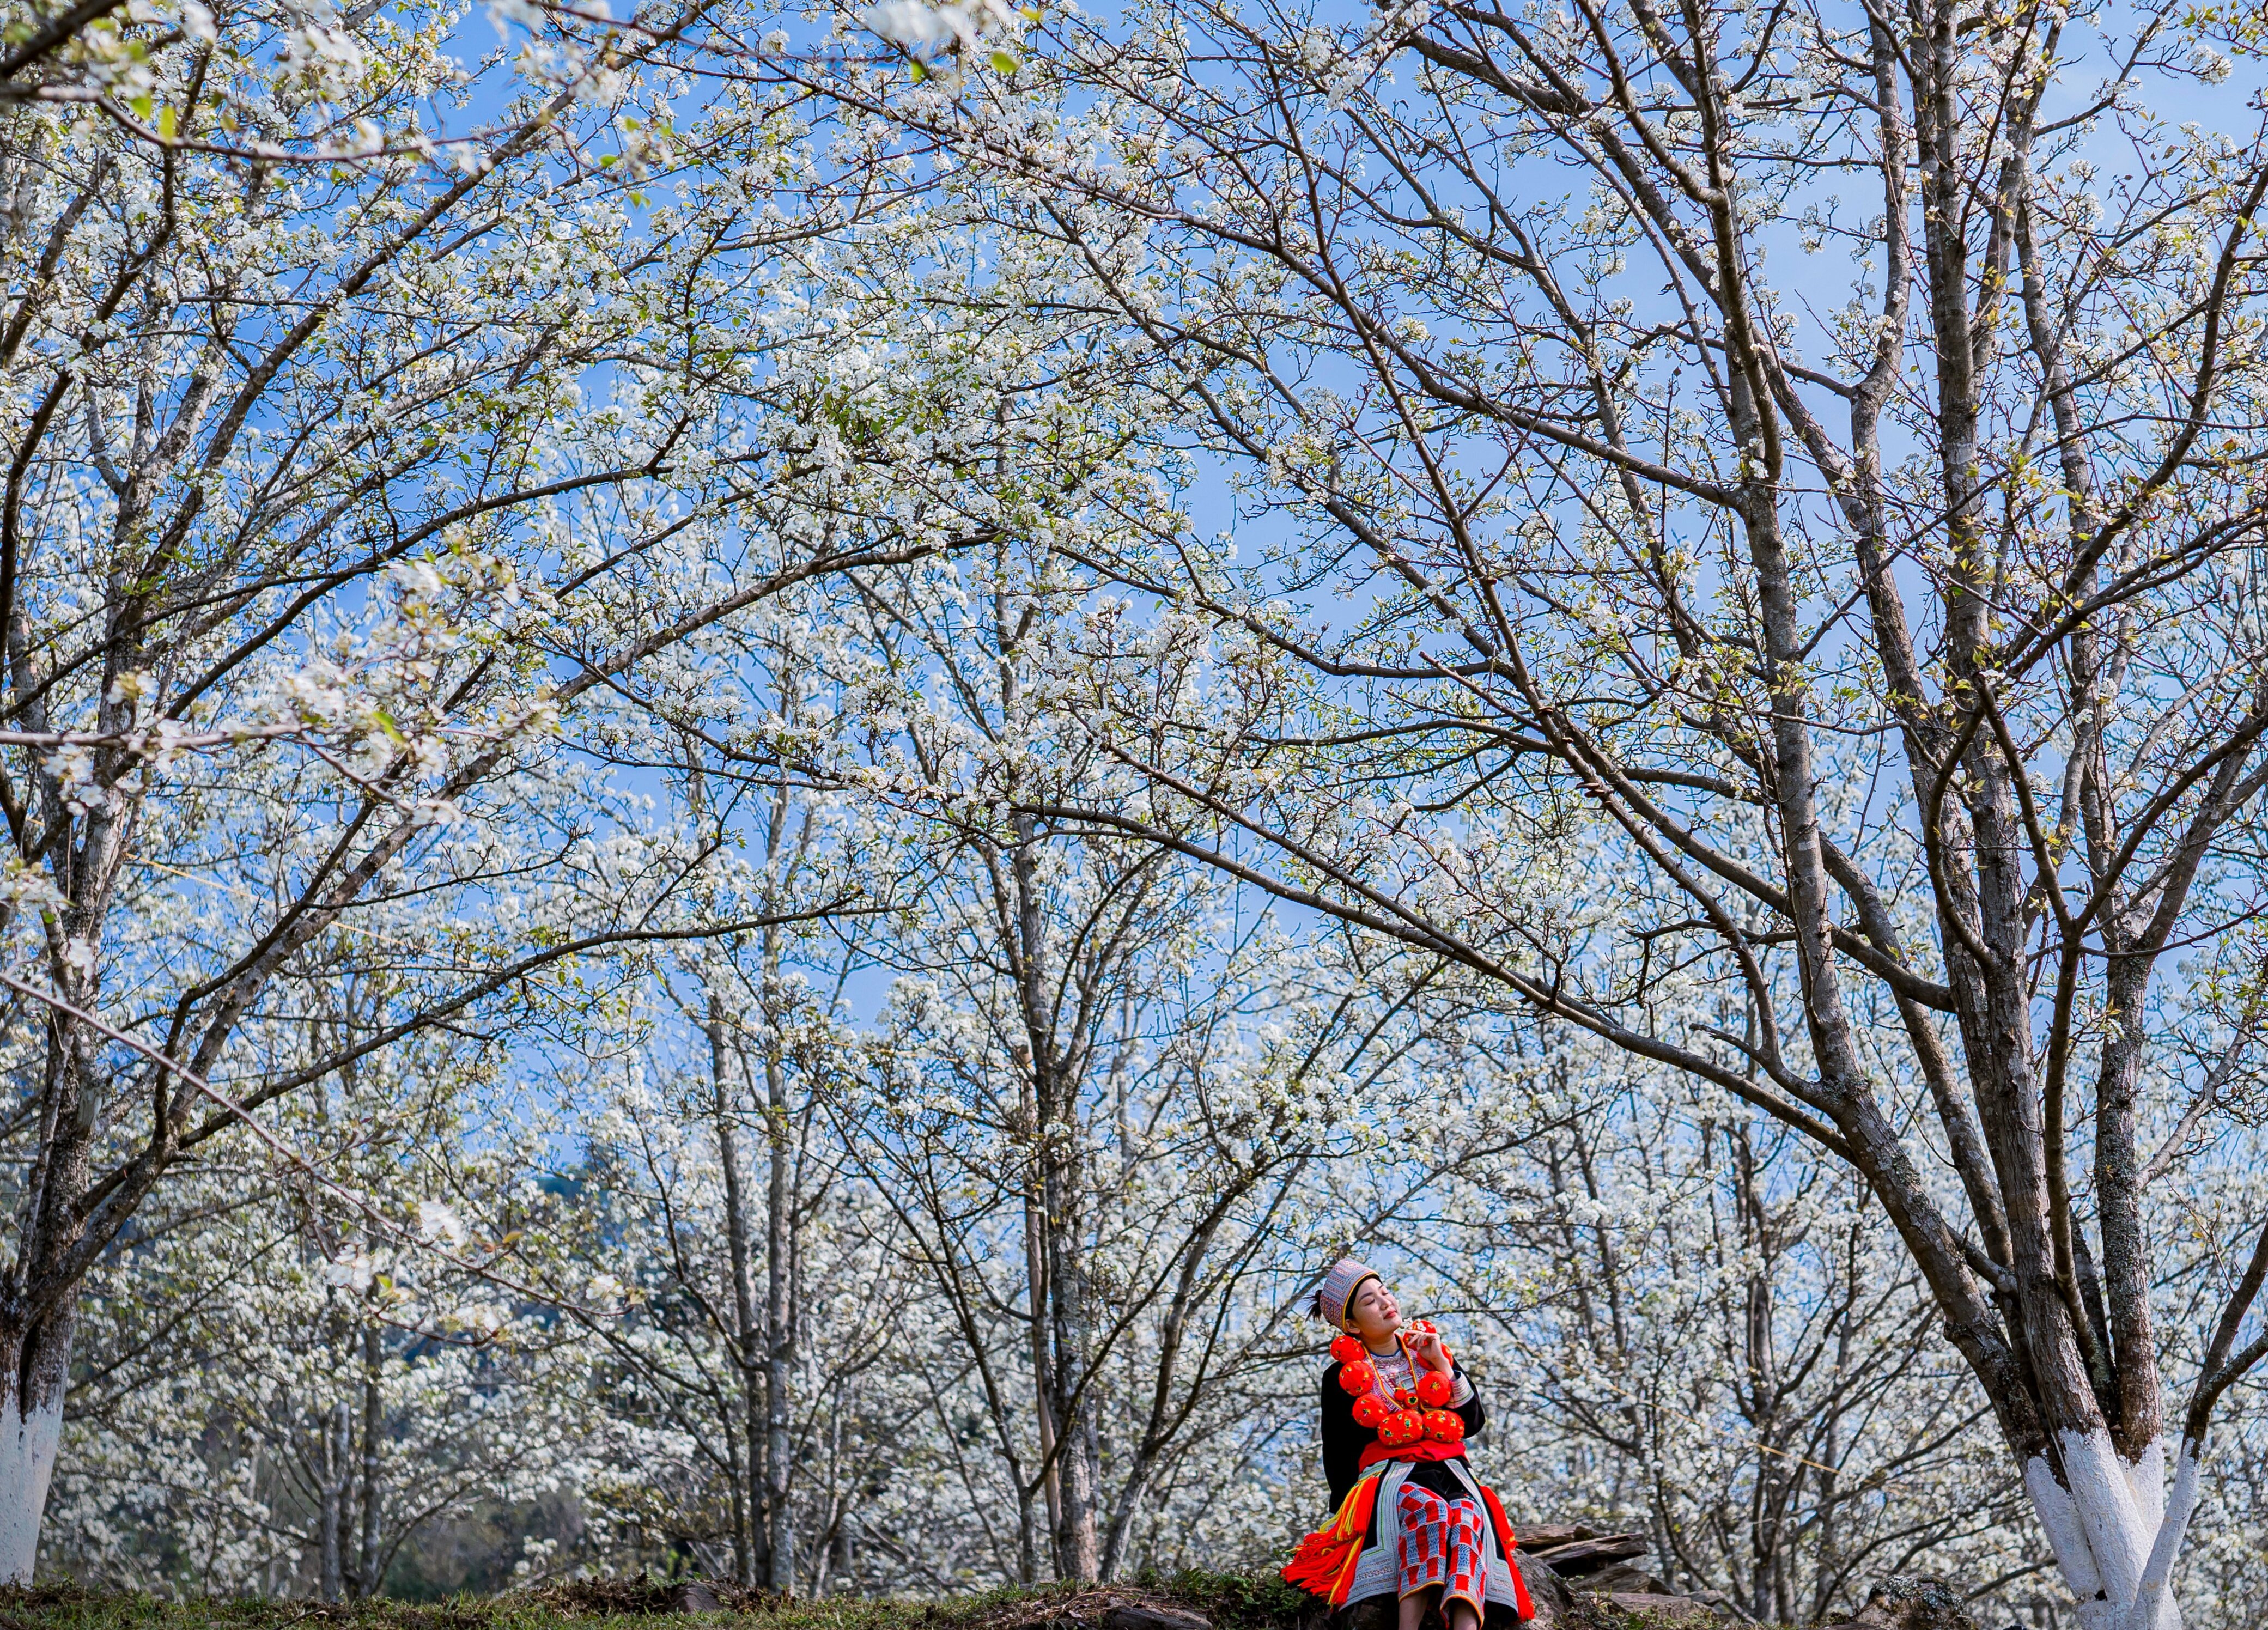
<point x="1464" y="1584"/>
<point x="1421" y="1540"/>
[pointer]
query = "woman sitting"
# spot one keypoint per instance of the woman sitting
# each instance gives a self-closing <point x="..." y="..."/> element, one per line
<point x="1412" y="1521"/>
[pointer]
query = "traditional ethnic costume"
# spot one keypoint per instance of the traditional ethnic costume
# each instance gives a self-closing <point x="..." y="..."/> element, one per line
<point x="1411" y="1515"/>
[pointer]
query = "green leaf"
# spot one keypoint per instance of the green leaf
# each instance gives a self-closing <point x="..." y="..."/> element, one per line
<point x="386" y="723"/>
<point x="1002" y="63"/>
<point x="165" y="124"/>
<point x="918" y="71"/>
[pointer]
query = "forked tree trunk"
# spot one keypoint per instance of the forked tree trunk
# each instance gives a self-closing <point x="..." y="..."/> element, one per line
<point x="1052" y="1242"/>
<point x="1079" y="1551"/>
<point x="2102" y="1517"/>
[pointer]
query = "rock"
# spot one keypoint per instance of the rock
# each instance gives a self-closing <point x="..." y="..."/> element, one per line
<point x="1911" y="1602"/>
<point x="1144" y="1616"/>
<point x="1543" y="1536"/>
<point x="1572" y="1559"/>
<point x="693" y="1596"/>
<point x="1622" y="1577"/>
<point x="1659" y="1607"/>
<point x="1554" y="1606"/>
<point x="1376" y="1612"/>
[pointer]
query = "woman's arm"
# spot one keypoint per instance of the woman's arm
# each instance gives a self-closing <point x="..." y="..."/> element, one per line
<point x="1466" y="1402"/>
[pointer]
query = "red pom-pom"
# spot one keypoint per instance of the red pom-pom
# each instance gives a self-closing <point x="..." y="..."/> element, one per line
<point x="1357" y="1377"/>
<point x="1369" y="1410"/>
<point x="1346" y="1349"/>
<point x="1402" y="1428"/>
<point x="1434" y="1388"/>
<point x="1444" y="1426"/>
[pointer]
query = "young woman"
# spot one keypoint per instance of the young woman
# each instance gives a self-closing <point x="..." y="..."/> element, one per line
<point x="1413" y="1522"/>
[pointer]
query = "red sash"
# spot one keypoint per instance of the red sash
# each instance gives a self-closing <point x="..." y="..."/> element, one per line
<point x="1425" y="1450"/>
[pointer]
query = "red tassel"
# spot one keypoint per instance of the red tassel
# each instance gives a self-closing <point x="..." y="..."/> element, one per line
<point x="1505" y="1540"/>
<point x="1506" y="1544"/>
<point x="1314" y="1564"/>
<point x="1323" y="1564"/>
<point x="1520" y="1604"/>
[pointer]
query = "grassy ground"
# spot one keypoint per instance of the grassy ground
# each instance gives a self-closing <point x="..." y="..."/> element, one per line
<point x="1232" y="1602"/>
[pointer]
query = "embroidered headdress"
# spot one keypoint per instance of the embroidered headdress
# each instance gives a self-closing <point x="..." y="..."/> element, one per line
<point x="1338" y="1289"/>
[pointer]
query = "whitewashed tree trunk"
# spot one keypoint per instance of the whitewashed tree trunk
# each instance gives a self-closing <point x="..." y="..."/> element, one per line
<point x="34" y="1372"/>
<point x="2155" y="1604"/>
<point x="28" y="1441"/>
<point x="2107" y="1522"/>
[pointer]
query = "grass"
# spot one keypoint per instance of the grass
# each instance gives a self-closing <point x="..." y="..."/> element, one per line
<point x="1231" y="1601"/>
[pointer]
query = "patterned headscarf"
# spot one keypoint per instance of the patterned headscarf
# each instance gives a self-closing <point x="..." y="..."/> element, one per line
<point x="1338" y="1289"/>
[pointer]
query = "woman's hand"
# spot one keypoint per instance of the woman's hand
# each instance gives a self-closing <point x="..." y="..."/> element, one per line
<point x="1425" y="1348"/>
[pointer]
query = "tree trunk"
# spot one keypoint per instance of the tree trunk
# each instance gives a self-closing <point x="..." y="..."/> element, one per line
<point x="1079" y="1553"/>
<point x="367" y="1563"/>
<point x="35" y="1336"/>
<point x="1058" y="1302"/>
<point x="34" y="1369"/>
<point x="331" y="1500"/>
<point x="779" y="1317"/>
<point x="749" y="1486"/>
<point x="1037" y="1297"/>
<point x="1027" y="1537"/>
<point x="2102" y="1535"/>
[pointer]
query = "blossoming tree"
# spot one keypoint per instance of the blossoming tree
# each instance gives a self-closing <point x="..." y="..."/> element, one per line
<point x="1820" y="443"/>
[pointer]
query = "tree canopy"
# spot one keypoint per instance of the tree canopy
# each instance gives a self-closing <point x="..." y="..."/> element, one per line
<point x="760" y="762"/>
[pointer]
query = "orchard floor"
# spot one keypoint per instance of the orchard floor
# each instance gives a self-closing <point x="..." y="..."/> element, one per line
<point x="1227" y="1601"/>
<point x="1230" y="1602"/>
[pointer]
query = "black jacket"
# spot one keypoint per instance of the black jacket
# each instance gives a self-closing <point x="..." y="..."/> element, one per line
<point x="1343" y="1441"/>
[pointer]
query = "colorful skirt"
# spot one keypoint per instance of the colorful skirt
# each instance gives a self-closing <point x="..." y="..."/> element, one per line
<point x="1392" y="1537"/>
<point x="1438" y="1545"/>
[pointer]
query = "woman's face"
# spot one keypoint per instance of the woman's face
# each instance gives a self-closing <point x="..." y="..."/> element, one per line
<point x="1373" y="1315"/>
